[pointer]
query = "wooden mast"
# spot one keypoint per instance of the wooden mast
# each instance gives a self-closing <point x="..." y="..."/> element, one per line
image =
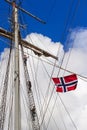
<point x="17" y="117"/>
<point x="15" y="37"/>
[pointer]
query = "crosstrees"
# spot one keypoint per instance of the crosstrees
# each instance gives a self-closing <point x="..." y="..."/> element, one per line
<point x="28" y="45"/>
<point x="28" y="13"/>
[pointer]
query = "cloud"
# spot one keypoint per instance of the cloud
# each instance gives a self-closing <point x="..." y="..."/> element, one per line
<point x="76" y="57"/>
<point x="74" y="102"/>
<point x="79" y="39"/>
<point x="78" y="51"/>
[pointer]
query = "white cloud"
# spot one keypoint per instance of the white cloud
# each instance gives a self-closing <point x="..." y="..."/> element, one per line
<point x="77" y="61"/>
<point x="75" y="101"/>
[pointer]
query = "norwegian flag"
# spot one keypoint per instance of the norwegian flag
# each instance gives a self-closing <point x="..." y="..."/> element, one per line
<point x="67" y="83"/>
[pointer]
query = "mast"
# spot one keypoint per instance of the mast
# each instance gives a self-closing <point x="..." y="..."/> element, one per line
<point x="17" y="40"/>
<point x="17" y="122"/>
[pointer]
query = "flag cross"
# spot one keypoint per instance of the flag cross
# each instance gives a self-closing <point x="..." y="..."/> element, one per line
<point x="65" y="85"/>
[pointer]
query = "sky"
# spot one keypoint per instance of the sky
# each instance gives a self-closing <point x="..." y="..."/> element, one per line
<point x="54" y="35"/>
<point x="60" y="17"/>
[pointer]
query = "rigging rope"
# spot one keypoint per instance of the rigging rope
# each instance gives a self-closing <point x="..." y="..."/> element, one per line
<point x="60" y="68"/>
<point x="48" y="62"/>
<point x="68" y="112"/>
<point x="54" y="102"/>
<point x="35" y="81"/>
<point x="9" y="105"/>
<point x="4" y="96"/>
<point x="11" y="87"/>
<point x="52" y="94"/>
<point x="36" y="76"/>
<point x="27" y="117"/>
<point x="72" y="20"/>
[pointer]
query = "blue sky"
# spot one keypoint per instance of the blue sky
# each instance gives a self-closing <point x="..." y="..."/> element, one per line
<point x="61" y="16"/>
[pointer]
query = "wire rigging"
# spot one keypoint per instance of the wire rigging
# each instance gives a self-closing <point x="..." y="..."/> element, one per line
<point x="68" y="41"/>
<point x="11" y="92"/>
<point x="47" y="61"/>
<point x="51" y="96"/>
<point x="53" y="105"/>
<point x="36" y="76"/>
<point x="36" y="86"/>
<point x="65" y="68"/>
<point x="52" y="113"/>
<point x="27" y="118"/>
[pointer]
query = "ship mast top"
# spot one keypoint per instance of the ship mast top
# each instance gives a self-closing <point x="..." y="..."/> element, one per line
<point x="17" y="40"/>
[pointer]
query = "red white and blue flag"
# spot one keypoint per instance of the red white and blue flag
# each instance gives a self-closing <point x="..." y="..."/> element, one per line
<point x="67" y="83"/>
